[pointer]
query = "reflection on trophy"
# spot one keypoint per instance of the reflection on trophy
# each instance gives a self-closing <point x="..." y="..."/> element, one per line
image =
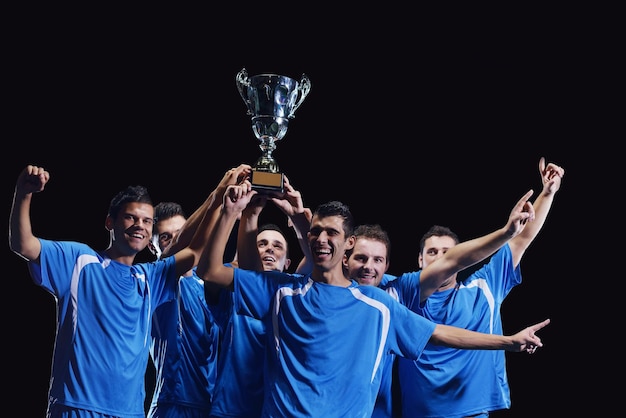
<point x="271" y="100"/>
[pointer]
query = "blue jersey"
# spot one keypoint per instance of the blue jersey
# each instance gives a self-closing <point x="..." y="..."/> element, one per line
<point x="239" y="388"/>
<point x="104" y="312"/>
<point x="448" y="382"/>
<point x="184" y="348"/>
<point x="326" y="345"/>
<point x="405" y="290"/>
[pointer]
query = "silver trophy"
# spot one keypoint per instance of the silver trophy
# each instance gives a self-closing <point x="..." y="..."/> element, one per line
<point x="271" y="100"/>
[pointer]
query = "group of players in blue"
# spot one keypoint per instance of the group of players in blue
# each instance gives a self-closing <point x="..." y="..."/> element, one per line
<point x="247" y="338"/>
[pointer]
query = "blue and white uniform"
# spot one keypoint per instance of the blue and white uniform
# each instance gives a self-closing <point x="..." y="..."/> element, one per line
<point x="448" y="382"/>
<point x="239" y="388"/>
<point x="326" y="344"/>
<point x="104" y="312"/>
<point x="185" y="340"/>
<point x="404" y="291"/>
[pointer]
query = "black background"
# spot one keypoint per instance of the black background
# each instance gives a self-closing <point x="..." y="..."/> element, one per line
<point x="411" y="125"/>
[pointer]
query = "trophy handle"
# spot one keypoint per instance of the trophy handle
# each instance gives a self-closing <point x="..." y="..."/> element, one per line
<point x="243" y="82"/>
<point x="303" y="89"/>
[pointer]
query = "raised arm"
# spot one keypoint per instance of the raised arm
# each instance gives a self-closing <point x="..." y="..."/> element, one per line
<point x="201" y="223"/>
<point x="22" y="241"/>
<point x="525" y="340"/>
<point x="551" y="177"/>
<point x="468" y="253"/>
<point x="292" y="205"/>
<point x="247" y="252"/>
<point x="212" y="202"/>
<point x="211" y="266"/>
<point x="305" y="266"/>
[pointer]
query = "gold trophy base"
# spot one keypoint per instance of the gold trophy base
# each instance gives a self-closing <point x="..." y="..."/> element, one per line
<point x="267" y="181"/>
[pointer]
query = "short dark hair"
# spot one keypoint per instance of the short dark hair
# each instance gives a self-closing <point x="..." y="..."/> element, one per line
<point x="271" y="227"/>
<point x="438" y="231"/>
<point x="166" y="210"/>
<point x="131" y="194"/>
<point x="374" y="232"/>
<point x="337" y="208"/>
<point x="274" y="227"/>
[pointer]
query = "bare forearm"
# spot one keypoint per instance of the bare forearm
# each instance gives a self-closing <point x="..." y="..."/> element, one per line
<point x="212" y="203"/>
<point x="460" y="257"/>
<point x="186" y="233"/>
<point x="21" y="238"/>
<point x="301" y="225"/>
<point x="211" y="266"/>
<point x="525" y="339"/>
<point x="455" y="337"/>
<point x="520" y="243"/>
<point x="551" y="176"/>
<point x="247" y="253"/>
<point x="468" y="253"/>
<point x="542" y="206"/>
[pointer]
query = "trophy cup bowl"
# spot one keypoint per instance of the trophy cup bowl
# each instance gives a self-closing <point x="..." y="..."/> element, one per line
<point x="271" y="100"/>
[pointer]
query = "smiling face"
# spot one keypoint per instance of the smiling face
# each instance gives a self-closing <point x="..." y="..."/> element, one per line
<point x="131" y="230"/>
<point x="328" y="242"/>
<point x="272" y="248"/>
<point x="367" y="262"/>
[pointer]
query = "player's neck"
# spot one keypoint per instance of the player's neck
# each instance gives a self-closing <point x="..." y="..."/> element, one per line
<point x="117" y="256"/>
<point x="334" y="277"/>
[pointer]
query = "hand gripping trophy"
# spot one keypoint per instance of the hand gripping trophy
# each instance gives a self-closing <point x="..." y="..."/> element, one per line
<point x="271" y="100"/>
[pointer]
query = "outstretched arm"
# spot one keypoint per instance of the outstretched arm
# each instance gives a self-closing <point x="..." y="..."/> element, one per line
<point x="211" y="266"/>
<point x="525" y="340"/>
<point x="468" y="253"/>
<point x="22" y="241"/>
<point x="551" y="177"/>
